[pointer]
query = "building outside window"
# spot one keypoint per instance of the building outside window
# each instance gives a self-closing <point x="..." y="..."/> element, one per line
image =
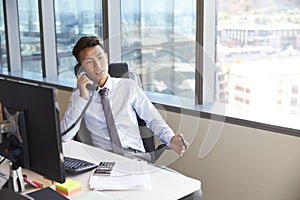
<point x="73" y="20"/>
<point x="29" y="28"/>
<point x="258" y="47"/>
<point x="158" y="42"/>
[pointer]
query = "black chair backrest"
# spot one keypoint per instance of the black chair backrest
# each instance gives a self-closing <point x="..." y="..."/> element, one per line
<point x="118" y="70"/>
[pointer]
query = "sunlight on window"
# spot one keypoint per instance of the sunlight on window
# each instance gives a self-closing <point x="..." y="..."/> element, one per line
<point x="258" y="56"/>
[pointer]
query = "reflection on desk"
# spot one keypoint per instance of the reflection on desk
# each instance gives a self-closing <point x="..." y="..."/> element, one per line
<point x="162" y="184"/>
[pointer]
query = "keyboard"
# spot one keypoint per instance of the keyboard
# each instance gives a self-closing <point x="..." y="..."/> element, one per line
<point x="77" y="166"/>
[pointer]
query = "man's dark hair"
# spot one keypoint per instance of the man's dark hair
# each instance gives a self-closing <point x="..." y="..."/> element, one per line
<point x="84" y="42"/>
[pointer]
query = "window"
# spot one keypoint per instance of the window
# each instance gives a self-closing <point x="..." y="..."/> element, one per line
<point x="75" y="19"/>
<point x="3" y="59"/>
<point x="258" y="47"/>
<point x="29" y="28"/>
<point x="158" y="42"/>
<point x="252" y="50"/>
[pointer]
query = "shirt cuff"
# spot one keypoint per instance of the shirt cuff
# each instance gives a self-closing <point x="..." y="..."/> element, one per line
<point x="167" y="138"/>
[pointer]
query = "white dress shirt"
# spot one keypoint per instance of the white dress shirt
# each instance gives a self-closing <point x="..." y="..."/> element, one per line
<point x="126" y="99"/>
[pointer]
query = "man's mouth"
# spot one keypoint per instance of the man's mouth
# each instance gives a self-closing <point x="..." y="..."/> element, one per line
<point x="99" y="72"/>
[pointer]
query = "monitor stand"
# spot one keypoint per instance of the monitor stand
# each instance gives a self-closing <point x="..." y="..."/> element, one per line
<point x="11" y="147"/>
<point x="16" y="181"/>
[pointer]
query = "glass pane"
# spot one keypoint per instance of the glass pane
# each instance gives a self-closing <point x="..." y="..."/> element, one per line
<point x="29" y="26"/>
<point x="3" y="58"/>
<point x="258" y="56"/>
<point x="158" y="42"/>
<point x="75" y="19"/>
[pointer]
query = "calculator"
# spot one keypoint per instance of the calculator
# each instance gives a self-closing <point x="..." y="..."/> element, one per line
<point x="104" y="168"/>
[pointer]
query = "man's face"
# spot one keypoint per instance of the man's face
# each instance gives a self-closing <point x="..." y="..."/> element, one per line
<point x="95" y="63"/>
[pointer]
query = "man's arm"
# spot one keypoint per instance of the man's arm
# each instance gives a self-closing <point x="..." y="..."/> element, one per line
<point x="72" y="113"/>
<point x="147" y="111"/>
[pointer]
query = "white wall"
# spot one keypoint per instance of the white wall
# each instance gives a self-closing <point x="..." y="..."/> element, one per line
<point x="245" y="163"/>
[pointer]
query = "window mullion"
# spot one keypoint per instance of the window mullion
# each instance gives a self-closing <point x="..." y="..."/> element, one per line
<point x="48" y="38"/>
<point x="199" y="52"/>
<point x="13" y="46"/>
<point x="207" y="67"/>
<point x="114" y="20"/>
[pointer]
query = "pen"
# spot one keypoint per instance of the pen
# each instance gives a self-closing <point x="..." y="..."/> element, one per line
<point x="184" y="143"/>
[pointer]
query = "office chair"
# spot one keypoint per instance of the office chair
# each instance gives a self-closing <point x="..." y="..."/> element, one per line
<point x="120" y="70"/>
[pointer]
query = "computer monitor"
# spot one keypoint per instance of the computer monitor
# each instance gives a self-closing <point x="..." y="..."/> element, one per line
<point x="39" y="127"/>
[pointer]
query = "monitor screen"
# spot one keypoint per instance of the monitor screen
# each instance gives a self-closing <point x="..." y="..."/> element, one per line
<point x="42" y="146"/>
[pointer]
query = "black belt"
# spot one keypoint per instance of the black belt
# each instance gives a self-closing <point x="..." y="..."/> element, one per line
<point x="133" y="150"/>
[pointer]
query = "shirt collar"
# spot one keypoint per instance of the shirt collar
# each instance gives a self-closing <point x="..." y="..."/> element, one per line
<point x="108" y="84"/>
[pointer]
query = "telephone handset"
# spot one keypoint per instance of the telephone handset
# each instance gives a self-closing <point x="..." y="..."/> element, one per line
<point x="78" y="71"/>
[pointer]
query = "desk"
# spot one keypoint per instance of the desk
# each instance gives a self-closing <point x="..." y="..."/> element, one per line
<point x="163" y="184"/>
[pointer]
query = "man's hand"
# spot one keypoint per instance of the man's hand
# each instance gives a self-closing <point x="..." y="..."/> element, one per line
<point x="178" y="144"/>
<point x="82" y="81"/>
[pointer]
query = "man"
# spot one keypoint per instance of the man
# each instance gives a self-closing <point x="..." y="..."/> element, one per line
<point x="126" y="99"/>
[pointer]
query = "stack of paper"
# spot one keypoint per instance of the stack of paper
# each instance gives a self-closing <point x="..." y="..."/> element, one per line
<point x="125" y="175"/>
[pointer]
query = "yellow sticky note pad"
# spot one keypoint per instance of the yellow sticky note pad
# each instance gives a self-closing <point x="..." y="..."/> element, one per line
<point x="68" y="187"/>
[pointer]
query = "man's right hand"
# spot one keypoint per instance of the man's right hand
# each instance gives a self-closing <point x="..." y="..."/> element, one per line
<point x="178" y="144"/>
<point x="82" y="81"/>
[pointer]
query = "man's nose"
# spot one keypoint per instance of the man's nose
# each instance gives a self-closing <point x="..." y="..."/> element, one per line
<point x="97" y="64"/>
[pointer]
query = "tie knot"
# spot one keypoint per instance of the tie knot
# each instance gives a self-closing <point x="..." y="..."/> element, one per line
<point x="104" y="91"/>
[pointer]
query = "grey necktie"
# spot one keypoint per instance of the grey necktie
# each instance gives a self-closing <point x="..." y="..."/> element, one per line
<point x="113" y="133"/>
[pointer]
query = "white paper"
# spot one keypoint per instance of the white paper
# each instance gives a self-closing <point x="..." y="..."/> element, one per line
<point x="126" y="175"/>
